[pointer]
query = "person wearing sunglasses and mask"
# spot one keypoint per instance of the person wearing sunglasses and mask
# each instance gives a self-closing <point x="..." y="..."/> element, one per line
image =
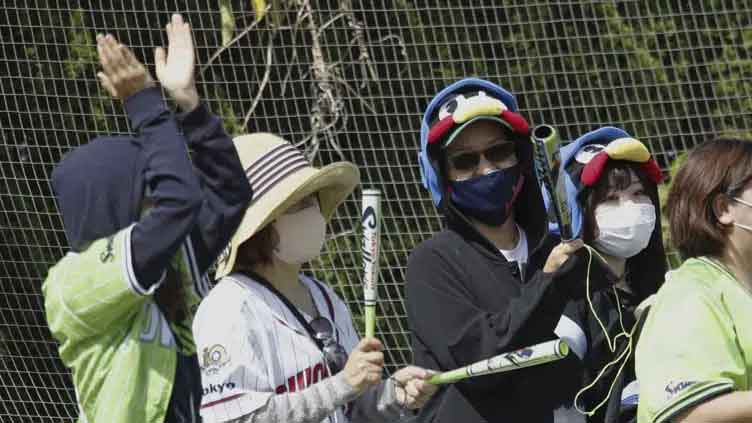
<point x="487" y="283"/>
<point x="694" y="359"/>
<point x="276" y="345"/>
<point x="611" y="185"/>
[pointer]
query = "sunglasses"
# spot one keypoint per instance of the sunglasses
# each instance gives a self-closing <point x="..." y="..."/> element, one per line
<point x="334" y="353"/>
<point x="469" y="160"/>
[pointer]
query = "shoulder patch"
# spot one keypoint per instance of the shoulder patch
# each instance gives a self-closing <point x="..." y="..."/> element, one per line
<point x="214" y="358"/>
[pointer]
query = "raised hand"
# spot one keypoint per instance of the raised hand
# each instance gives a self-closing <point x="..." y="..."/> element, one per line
<point x="413" y="389"/>
<point x="175" y="67"/>
<point x="122" y="74"/>
<point x="364" y="365"/>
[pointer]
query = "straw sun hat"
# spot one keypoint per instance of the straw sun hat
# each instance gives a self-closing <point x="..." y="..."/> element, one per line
<point x="280" y="177"/>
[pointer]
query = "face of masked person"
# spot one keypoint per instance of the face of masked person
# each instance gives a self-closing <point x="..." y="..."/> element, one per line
<point x="488" y="198"/>
<point x="484" y="175"/>
<point x="624" y="230"/>
<point x="301" y="231"/>
<point x="625" y="221"/>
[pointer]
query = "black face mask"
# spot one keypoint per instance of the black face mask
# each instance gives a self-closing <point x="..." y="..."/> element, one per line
<point x="488" y="198"/>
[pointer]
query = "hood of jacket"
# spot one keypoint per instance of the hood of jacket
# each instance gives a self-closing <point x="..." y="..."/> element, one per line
<point x="99" y="188"/>
<point x="530" y="211"/>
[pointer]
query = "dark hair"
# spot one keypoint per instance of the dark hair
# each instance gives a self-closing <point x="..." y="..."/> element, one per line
<point x="259" y="248"/>
<point x="646" y="270"/>
<point x="719" y="167"/>
<point x="617" y="175"/>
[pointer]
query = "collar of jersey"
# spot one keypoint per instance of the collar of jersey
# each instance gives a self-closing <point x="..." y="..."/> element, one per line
<point x="720" y="266"/>
<point x="248" y="282"/>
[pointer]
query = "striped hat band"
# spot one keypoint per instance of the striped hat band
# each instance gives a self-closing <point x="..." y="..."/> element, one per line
<point x="269" y="169"/>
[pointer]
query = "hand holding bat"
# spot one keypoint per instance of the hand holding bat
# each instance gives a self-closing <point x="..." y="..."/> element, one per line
<point x="412" y="387"/>
<point x="365" y="364"/>
<point x="560" y="254"/>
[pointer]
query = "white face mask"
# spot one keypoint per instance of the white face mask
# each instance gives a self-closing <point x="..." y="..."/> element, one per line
<point x="624" y="230"/>
<point x="301" y="235"/>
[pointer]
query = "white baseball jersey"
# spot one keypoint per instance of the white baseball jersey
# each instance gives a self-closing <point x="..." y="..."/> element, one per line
<point x="250" y="346"/>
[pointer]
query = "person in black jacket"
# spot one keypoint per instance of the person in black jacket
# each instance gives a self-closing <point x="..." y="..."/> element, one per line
<point x="487" y="283"/>
<point x="613" y="198"/>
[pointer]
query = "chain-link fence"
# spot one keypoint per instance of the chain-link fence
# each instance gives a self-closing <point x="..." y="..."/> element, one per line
<point x="346" y="80"/>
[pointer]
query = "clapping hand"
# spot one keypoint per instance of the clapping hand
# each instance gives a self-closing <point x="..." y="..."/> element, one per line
<point x="122" y="74"/>
<point x="176" y="66"/>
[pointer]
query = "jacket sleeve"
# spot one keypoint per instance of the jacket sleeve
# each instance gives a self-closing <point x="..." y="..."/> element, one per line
<point x="378" y="403"/>
<point x="456" y="332"/>
<point x="225" y="191"/>
<point x="573" y="328"/>
<point x="173" y="183"/>
<point x="93" y="291"/>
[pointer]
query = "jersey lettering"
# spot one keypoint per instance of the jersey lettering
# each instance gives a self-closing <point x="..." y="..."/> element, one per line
<point x="304" y="379"/>
<point x="218" y="388"/>
<point x="156" y="326"/>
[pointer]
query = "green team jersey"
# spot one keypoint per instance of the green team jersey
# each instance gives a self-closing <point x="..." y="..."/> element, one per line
<point x="112" y="335"/>
<point x="696" y="343"/>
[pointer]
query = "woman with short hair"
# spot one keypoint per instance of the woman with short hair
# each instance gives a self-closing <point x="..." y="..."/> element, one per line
<point x="694" y="359"/>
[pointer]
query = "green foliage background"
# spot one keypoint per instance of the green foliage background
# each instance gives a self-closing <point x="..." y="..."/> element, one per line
<point x="349" y="81"/>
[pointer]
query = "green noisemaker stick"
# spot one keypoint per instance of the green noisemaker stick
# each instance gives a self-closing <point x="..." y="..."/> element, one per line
<point x="371" y="222"/>
<point x="545" y="352"/>
<point x="546" y="157"/>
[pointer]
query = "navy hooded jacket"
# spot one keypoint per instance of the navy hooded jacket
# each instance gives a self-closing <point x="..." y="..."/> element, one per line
<point x="100" y="186"/>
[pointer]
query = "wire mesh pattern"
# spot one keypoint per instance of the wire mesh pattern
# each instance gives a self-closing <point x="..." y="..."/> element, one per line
<point x="344" y="80"/>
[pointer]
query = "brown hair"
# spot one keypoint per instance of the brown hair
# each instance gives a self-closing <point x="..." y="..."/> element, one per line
<point x="258" y="249"/>
<point x="719" y="167"/>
